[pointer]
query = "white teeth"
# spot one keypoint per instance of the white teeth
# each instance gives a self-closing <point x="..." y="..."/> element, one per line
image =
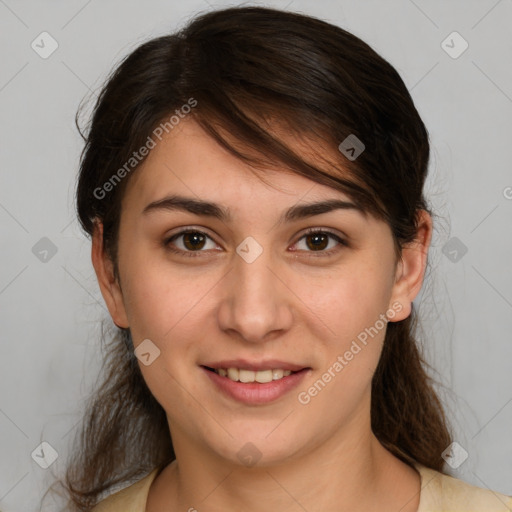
<point x="246" y="375"/>
<point x="277" y="374"/>
<point x="233" y="374"/>
<point x="261" y="376"/>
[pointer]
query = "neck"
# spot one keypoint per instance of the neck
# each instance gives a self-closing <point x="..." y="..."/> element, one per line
<point x="348" y="472"/>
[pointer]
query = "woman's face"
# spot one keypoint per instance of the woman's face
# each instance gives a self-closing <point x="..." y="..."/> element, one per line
<point x="254" y="287"/>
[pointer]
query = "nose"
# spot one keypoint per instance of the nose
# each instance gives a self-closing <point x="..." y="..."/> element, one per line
<point x="257" y="305"/>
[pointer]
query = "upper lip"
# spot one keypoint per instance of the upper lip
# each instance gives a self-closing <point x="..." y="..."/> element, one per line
<point x="268" y="364"/>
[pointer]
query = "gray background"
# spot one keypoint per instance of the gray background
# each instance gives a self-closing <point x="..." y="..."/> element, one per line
<point x="50" y="305"/>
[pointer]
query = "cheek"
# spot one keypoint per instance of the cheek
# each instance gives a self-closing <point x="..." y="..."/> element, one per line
<point x="169" y="306"/>
<point x="349" y="302"/>
<point x="350" y="354"/>
<point x="353" y="308"/>
<point x="161" y="300"/>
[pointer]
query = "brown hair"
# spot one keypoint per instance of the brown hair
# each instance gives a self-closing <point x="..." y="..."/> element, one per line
<point x="244" y="67"/>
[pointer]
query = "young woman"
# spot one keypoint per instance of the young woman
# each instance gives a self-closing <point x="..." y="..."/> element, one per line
<point x="253" y="188"/>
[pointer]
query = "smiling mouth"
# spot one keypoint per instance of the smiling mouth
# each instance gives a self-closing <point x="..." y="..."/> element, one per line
<point x="251" y="376"/>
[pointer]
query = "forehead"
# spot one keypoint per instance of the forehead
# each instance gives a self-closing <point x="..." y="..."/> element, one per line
<point x="190" y="162"/>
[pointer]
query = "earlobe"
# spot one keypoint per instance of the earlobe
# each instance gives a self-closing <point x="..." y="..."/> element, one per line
<point x="109" y="285"/>
<point x="410" y="270"/>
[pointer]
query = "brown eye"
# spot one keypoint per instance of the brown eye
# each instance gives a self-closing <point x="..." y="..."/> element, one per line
<point x="194" y="240"/>
<point x="317" y="241"/>
<point x="189" y="243"/>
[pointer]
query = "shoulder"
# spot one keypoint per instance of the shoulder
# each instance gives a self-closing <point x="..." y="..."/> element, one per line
<point x="444" y="493"/>
<point x="130" y="499"/>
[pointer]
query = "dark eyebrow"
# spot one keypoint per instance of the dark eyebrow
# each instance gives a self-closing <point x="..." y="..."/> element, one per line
<point x="208" y="209"/>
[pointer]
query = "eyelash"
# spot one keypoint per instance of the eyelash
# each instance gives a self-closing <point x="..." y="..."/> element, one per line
<point x="309" y="231"/>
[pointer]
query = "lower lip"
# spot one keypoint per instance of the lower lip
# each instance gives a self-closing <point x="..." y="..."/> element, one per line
<point x="254" y="393"/>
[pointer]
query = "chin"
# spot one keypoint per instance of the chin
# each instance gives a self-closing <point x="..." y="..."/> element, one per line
<point x="256" y="451"/>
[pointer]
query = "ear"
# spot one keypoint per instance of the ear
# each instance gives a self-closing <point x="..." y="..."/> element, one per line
<point x="109" y="285"/>
<point x="410" y="270"/>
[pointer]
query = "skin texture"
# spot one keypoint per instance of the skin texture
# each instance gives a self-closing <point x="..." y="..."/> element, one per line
<point x="290" y="303"/>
